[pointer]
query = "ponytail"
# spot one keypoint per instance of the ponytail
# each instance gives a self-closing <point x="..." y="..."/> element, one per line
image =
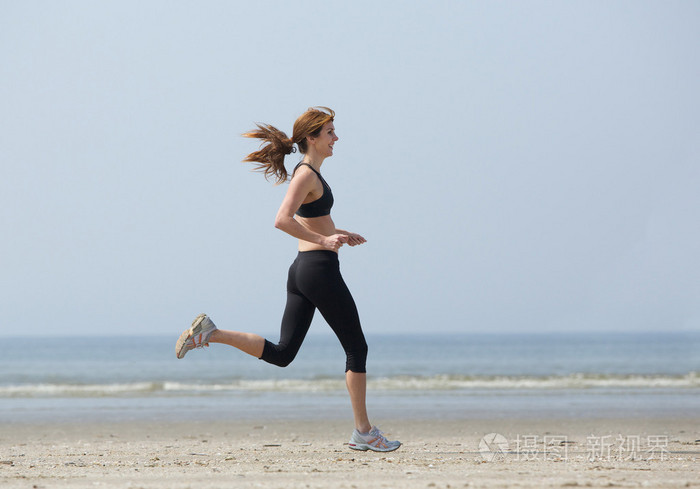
<point x="269" y="159"/>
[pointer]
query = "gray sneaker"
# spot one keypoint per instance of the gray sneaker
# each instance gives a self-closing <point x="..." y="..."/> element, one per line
<point x="195" y="337"/>
<point x="374" y="440"/>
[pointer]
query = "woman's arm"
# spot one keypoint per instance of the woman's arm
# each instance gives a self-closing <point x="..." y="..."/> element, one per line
<point x="300" y="186"/>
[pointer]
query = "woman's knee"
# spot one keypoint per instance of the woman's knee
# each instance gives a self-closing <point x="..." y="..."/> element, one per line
<point x="280" y="355"/>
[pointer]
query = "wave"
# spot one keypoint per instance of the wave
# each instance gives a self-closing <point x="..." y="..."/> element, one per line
<point x="690" y="380"/>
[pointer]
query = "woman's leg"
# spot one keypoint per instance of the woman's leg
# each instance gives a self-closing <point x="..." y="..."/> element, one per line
<point x="249" y="343"/>
<point x="295" y="323"/>
<point x="296" y="320"/>
<point x="344" y="320"/>
<point x="321" y="282"/>
<point x="357" y="388"/>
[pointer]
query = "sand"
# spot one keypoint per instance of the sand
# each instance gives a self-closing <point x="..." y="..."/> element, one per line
<point x="314" y="454"/>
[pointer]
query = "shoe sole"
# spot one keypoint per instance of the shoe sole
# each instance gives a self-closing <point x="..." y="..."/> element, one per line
<point x="365" y="447"/>
<point x="194" y="330"/>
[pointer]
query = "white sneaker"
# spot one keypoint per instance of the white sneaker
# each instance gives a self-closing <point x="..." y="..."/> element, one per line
<point x="195" y="337"/>
<point x="374" y="440"/>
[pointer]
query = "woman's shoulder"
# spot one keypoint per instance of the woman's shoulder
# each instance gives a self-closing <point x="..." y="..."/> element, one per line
<point x="303" y="174"/>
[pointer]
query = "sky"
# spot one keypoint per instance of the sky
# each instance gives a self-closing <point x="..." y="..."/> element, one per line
<point x="521" y="166"/>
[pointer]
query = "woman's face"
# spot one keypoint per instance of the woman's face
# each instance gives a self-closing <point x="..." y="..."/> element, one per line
<point x="323" y="143"/>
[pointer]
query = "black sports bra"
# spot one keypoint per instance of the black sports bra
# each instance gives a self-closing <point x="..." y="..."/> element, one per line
<point x="322" y="205"/>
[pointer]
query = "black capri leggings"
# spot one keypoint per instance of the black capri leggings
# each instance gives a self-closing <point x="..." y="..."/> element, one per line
<point x="315" y="282"/>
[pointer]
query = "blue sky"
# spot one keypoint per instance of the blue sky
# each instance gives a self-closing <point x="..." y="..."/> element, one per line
<point x="514" y="166"/>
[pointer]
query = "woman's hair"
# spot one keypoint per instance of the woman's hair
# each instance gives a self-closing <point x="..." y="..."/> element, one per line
<point x="269" y="159"/>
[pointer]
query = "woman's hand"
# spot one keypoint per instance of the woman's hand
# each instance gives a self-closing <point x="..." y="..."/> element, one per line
<point x="335" y="241"/>
<point x="355" y="239"/>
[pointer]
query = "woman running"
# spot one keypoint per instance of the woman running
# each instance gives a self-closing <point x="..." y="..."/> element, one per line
<point x="314" y="280"/>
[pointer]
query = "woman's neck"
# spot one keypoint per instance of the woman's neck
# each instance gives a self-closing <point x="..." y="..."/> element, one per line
<point x="315" y="162"/>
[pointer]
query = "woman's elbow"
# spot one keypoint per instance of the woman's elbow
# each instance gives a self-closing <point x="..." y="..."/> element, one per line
<point x="281" y="222"/>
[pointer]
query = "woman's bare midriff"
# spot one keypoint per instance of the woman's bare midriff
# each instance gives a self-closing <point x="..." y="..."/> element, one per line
<point x="322" y="225"/>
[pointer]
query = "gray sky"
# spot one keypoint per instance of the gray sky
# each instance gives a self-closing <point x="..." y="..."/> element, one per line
<point x="515" y="166"/>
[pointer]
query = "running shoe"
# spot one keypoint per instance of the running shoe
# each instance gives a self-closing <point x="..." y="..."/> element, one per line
<point x="195" y="337"/>
<point x="374" y="440"/>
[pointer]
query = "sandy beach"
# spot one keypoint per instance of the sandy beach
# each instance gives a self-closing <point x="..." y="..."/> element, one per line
<point x="659" y="453"/>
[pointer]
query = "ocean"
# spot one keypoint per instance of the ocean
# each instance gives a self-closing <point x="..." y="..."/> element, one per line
<point x="458" y="376"/>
